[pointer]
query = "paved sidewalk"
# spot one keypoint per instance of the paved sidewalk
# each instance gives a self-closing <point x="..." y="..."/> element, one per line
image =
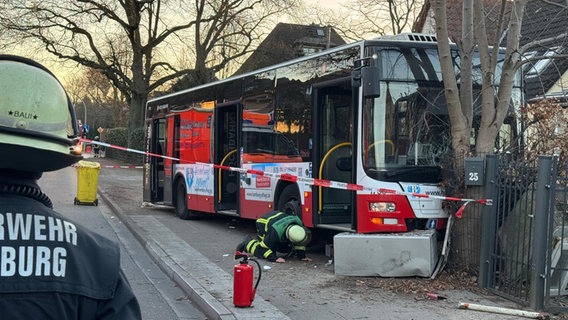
<point x="188" y="268"/>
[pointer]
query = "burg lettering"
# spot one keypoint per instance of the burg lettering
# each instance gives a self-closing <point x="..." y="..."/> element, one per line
<point x="27" y="260"/>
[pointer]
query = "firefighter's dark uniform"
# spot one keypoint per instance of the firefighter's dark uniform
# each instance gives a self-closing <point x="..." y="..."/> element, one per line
<point x="96" y="148"/>
<point x="271" y="237"/>
<point x="52" y="268"/>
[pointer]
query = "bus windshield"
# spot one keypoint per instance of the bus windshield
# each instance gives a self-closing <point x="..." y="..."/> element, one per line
<point x="410" y="130"/>
<point x="406" y="131"/>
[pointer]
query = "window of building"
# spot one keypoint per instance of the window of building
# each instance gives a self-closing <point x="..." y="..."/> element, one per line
<point x="540" y="65"/>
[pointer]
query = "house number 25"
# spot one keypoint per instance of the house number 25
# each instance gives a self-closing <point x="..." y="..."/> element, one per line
<point x="473" y="176"/>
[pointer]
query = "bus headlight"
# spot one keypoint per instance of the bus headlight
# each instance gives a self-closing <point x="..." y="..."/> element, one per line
<point x="382" y="207"/>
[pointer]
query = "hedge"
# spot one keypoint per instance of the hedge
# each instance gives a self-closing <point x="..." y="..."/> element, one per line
<point x="120" y="137"/>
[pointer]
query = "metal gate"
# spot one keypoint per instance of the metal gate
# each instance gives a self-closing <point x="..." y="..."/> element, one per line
<point x="524" y="240"/>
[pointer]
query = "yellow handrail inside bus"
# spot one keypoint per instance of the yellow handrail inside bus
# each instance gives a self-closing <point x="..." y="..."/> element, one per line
<point x="337" y="146"/>
<point x="220" y="170"/>
<point x="372" y="145"/>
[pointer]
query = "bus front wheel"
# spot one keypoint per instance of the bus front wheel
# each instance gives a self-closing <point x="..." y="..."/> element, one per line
<point x="289" y="200"/>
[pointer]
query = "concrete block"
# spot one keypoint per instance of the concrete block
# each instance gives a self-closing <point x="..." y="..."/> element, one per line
<point x="386" y="255"/>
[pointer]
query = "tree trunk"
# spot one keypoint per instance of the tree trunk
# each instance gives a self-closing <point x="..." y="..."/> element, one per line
<point x="459" y="123"/>
<point x="136" y="117"/>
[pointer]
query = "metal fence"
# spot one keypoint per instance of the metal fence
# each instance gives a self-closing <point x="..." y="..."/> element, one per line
<point x="524" y="236"/>
<point x="466" y="231"/>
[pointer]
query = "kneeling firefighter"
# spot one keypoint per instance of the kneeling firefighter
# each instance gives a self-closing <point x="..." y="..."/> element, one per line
<point x="278" y="232"/>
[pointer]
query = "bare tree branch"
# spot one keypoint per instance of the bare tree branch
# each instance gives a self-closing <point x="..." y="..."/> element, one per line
<point x="132" y="42"/>
<point x="555" y="3"/>
<point x="359" y="19"/>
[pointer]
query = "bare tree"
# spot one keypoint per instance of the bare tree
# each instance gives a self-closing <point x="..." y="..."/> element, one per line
<point x="134" y="43"/>
<point x="460" y="99"/>
<point x="105" y="104"/>
<point x="381" y="17"/>
<point x="360" y="19"/>
<point x="496" y="93"/>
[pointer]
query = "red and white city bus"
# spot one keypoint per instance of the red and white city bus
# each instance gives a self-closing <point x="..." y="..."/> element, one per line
<point x="371" y="114"/>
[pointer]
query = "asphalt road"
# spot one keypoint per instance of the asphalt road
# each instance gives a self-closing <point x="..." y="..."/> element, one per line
<point x="198" y="256"/>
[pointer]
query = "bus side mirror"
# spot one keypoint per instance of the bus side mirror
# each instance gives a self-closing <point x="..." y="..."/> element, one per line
<point x="370" y="81"/>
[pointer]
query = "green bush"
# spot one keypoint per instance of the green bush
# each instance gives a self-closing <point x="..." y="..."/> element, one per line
<point x="120" y="137"/>
<point x="117" y="136"/>
<point x="136" y="139"/>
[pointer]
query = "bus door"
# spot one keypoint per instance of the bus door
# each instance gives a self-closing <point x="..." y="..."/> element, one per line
<point x="227" y="145"/>
<point x="333" y="153"/>
<point x="170" y="148"/>
<point x="157" y="144"/>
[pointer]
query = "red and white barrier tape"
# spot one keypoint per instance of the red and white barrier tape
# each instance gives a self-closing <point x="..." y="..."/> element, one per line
<point x="459" y="212"/>
<point x="422" y="195"/>
<point x="125" y="149"/>
<point x="123" y="167"/>
<point x="310" y="181"/>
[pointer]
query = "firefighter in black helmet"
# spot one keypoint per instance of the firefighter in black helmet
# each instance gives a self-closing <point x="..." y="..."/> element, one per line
<point x="51" y="267"/>
<point x="96" y="148"/>
<point x="278" y="232"/>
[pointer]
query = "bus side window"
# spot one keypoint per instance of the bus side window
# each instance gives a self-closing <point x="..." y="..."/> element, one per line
<point x="285" y="147"/>
<point x="246" y="142"/>
<point x="264" y="143"/>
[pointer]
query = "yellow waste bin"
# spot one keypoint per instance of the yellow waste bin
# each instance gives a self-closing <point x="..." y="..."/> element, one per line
<point x="87" y="181"/>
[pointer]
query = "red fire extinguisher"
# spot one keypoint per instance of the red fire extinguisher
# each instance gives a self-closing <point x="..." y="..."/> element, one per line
<point x="243" y="291"/>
